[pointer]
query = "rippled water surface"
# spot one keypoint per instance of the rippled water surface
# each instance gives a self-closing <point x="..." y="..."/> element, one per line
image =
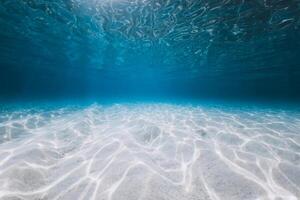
<point x="188" y="46"/>
<point x="150" y="151"/>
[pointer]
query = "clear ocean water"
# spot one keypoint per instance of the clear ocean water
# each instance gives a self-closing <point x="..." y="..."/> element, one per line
<point x="149" y="99"/>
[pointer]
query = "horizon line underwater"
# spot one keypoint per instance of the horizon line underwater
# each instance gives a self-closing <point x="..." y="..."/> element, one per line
<point x="149" y="100"/>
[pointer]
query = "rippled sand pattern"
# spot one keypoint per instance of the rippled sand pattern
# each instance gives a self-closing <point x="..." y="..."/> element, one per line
<point x="153" y="151"/>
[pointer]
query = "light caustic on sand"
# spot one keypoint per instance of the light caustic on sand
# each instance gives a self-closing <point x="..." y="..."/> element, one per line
<point x="150" y="151"/>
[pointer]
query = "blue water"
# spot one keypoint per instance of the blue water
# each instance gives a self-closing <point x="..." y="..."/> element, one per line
<point x="149" y="99"/>
<point x="91" y="48"/>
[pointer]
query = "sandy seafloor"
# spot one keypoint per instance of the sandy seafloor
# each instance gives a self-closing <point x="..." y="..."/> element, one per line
<point x="149" y="152"/>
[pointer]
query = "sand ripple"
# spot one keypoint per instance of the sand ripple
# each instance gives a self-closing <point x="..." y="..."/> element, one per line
<point x="150" y="151"/>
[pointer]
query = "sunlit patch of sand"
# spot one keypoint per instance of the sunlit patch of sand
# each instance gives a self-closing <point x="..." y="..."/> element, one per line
<point x="149" y="151"/>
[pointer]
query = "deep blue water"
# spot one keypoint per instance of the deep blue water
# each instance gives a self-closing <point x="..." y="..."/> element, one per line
<point x="95" y="49"/>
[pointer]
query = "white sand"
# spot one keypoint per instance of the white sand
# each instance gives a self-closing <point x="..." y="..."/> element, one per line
<point x="150" y="152"/>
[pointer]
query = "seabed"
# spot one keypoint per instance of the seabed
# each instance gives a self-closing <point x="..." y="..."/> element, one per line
<point x="149" y="152"/>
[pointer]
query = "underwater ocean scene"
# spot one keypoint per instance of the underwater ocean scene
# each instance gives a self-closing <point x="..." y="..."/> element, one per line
<point x="149" y="99"/>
